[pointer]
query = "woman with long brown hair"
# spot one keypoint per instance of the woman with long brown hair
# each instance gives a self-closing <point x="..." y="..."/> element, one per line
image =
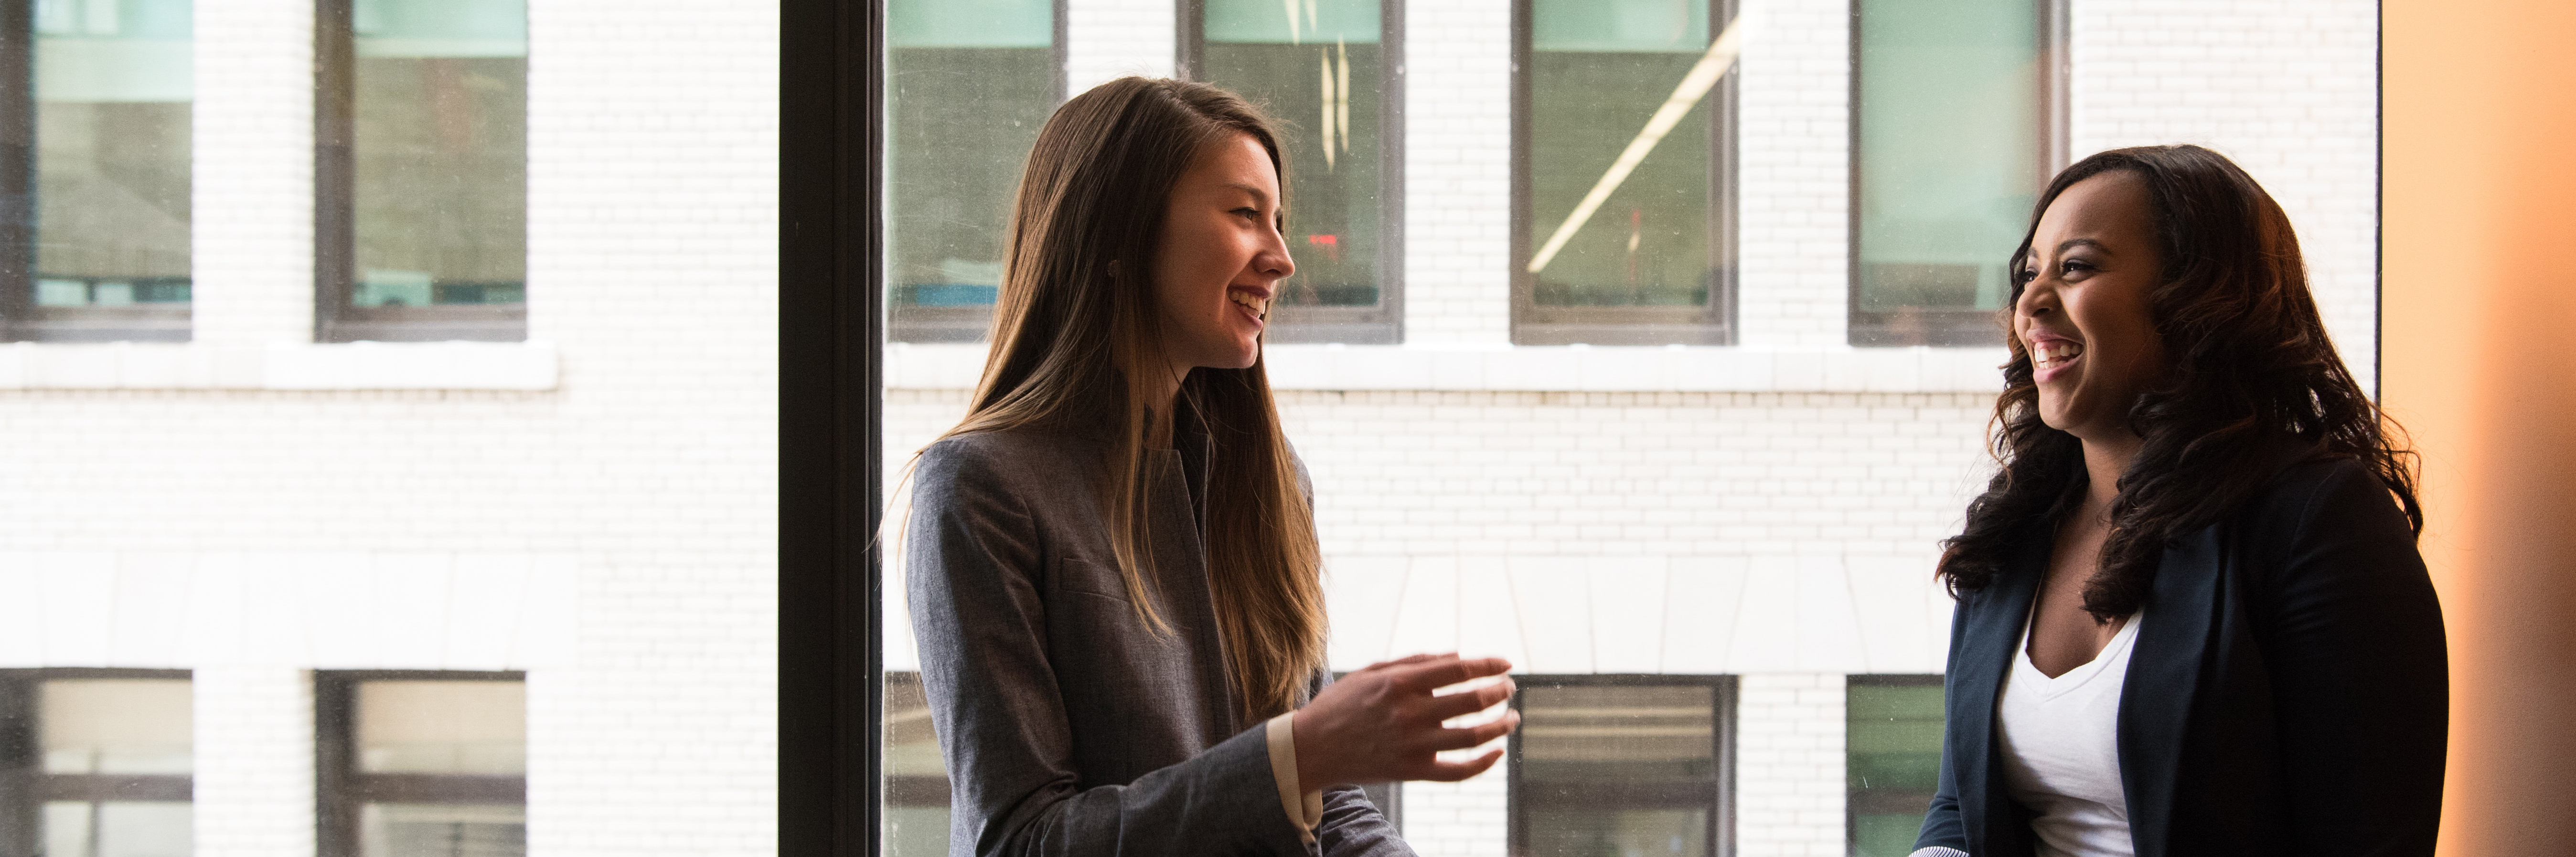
<point x="1111" y="562"/>
<point x="2191" y="617"/>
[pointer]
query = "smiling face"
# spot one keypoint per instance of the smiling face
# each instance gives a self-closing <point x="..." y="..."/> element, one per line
<point x="1222" y="257"/>
<point x="2083" y="312"/>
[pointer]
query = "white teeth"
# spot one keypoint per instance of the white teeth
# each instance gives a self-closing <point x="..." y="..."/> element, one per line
<point x="2054" y="352"/>
<point x="1248" y="302"/>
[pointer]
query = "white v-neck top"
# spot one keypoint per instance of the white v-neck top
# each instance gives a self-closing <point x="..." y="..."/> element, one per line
<point x="2061" y="749"/>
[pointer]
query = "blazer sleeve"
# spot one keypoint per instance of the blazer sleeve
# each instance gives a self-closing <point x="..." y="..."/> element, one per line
<point x="1942" y="825"/>
<point x="973" y="574"/>
<point x="2361" y="684"/>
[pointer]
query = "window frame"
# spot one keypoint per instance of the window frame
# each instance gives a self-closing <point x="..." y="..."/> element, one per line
<point x="950" y="324"/>
<point x="335" y="226"/>
<point x="21" y="320"/>
<point x="24" y="786"/>
<point x="1715" y="324"/>
<point x="831" y="383"/>
<point x="1951" y="328"/>
<point x="341" y="791"/>
<point x="1727" y="693"/>
<point x="1382" y="324"/>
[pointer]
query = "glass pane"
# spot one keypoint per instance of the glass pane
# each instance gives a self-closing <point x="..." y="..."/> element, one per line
<point x="114" y="80"/>
<point x="1598" y="70"/>
<point x="116" y="726"/>
<point x="118" y="829"/>
<point x="433" y="830"/>
<point x="1894" y="746"/>
<point x="1951" y="140"/>
<point x="916" y="811"/>
<point x="1624" y="770"/>
<point x="441" y="152"/>
<point x="443" y="727"/>
<point x="969" y="82"/>
<point x="1317" y="71"/>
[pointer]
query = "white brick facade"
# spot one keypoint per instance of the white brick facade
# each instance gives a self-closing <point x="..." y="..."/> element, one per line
<point x="597" y="506"/>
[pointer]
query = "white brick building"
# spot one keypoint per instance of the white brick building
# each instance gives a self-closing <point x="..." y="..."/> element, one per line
<point x="595" y="506"/>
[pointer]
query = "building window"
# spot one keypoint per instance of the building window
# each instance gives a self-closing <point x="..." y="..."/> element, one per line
<point x="422" y="764"/>
<point x="916" y="776"/>
<point x="1332" y="72"/>
<point x="1623" y="178"/>
<point x="1957" y="121"/>
<point x="1629" y="765"/>
<point x="95" y="97"/>
<point x="95" y="763"/>
<point x="968" y="85"/>
<point x="1893" y="747"/>
<point x="420" y="171"/>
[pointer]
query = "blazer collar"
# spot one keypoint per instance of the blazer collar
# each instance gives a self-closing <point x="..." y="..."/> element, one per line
<point x="2157" y="697"/>
<point x="1999" y="826"/>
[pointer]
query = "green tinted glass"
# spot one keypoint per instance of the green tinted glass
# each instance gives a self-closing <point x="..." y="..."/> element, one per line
<point x="1599" y="69"/>
<point x="1318" y="72"/>
<point x="1893" y="753"/>
<point x="440" y="146"/>
<point x="1952" y="134"/>
<point x="114" y="83"/>
<point x="969" y="83"/>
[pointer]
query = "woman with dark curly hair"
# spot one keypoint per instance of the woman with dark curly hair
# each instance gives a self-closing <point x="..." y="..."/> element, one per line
<point x="2191" y="618"/>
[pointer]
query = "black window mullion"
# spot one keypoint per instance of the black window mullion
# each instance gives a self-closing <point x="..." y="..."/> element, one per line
<point x="831" y="296"/>
<point x="17" y="179"/>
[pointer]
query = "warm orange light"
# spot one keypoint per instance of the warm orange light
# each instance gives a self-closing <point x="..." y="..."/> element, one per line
<point x="2478" y="310"/>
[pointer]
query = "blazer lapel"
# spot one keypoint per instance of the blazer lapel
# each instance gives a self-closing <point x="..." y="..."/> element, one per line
<point x="1993" y="632"/>
<point x="2164" y="676"/>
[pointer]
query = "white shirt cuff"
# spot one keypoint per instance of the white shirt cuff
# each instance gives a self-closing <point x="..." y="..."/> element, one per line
<point x="1938" y="851"/>
<point x="1305" y="808"/>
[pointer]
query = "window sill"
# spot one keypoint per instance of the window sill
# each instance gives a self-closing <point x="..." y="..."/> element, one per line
<point x="1555" y="368"/>
<point x="280" y="366"/>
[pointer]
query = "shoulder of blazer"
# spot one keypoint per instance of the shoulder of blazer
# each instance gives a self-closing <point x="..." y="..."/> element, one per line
<point x="2289" y="511"/>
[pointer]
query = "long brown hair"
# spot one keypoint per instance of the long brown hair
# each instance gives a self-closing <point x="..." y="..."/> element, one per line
<point x="2254" y="386"/>
<point x="1076" y="344"/>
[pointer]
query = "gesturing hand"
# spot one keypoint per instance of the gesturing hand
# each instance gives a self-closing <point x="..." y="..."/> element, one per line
<point x="1383" y="723"/>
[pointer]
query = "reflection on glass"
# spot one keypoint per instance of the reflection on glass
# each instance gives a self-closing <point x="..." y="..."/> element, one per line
<point x="1617" y="769"/>
<point x="107" y="774"/>
<point x="1951" y="140"/>
<point x="1315" y="67"/>
<point x="118" y="829"/>
<point x="440" y="145"/>
<point x="441" y="752"/>
<point x="969" y="83"/>
<point x="1598" y="70"/>
<point x="114" y="80"/>
<point x="916" y="786"/>
<point x="1893" y="742"/>
<point x="436" y="830"/>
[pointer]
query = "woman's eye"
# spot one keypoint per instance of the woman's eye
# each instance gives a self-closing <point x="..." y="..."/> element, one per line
<point x="2075" y="265"/>
<point x="2025" y="275"/>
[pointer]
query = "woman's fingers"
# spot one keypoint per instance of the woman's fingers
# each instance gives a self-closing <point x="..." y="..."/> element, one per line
<point x="1469" y="702"/>
<point x="1408" y="659"/>
<point x="1450" y="772"/>
<point x="1443" y="673"/>
<point x="1463" y="737"/>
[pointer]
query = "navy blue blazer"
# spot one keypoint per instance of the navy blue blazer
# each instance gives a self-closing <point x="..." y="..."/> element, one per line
<point x="2289" y="693"/>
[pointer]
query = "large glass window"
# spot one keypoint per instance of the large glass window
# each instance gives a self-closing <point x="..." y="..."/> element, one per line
<point x="95" y="763"/>
<point x="95" y="98"/>
<point x="1624" y="172"/>
<point x="968" y="84"/>
<point x="1627" y="765"/>
<point x="916" y="776"/>
<point x="421" y="119"/>
<point x="1893" y="745"/>
<point x="1952" y="136"/>
<point x="422" y="765"/>
<point x="1329" y="70"/>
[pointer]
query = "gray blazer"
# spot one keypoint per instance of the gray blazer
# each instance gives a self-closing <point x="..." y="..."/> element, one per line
<point x="1069" y="726"/>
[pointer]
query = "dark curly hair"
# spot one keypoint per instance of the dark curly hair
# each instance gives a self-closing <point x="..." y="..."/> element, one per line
<point x="2254" y="386"/>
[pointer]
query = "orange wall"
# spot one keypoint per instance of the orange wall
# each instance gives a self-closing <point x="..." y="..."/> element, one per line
<point x="2478" y="309"/>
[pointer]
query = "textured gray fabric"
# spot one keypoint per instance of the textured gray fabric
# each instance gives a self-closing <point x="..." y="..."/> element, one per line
<point x="1069" y="725"/>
